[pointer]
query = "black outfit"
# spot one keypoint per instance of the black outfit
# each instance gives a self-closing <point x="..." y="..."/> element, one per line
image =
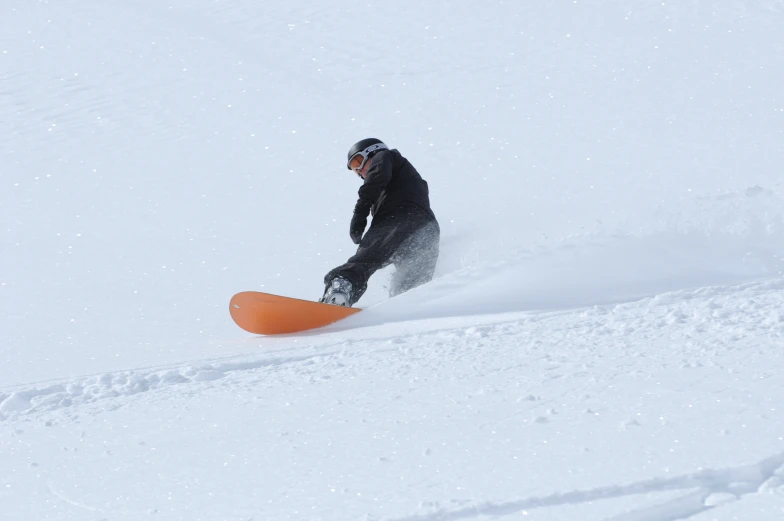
<point x="404" y="230"/>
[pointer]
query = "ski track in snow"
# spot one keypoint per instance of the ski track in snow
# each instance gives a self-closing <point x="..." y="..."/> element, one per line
<point x="707" y="489"/>
<point x="703" y="491"/>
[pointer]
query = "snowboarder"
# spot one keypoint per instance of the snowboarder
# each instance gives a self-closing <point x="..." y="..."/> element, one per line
<point x="403" y="232"/>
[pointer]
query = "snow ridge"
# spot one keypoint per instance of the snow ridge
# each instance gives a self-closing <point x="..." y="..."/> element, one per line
<point x="746" y="308"/>
<point x="125" y="383"/>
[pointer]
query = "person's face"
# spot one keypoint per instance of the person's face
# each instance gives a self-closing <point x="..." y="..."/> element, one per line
<point x="364" y="170"/>
<point x="359" y="168"/>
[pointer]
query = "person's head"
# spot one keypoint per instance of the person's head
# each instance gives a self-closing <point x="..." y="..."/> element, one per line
<point x="361" y="152"/>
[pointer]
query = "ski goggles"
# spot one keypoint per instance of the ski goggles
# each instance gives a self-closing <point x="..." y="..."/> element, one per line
<point x="359" y="159"/>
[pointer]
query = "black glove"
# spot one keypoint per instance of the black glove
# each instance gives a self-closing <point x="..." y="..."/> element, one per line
<point x="358" y="224"/>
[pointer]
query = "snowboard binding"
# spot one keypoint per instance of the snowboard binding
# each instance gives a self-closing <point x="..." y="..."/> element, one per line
<point x="338" y="293"/>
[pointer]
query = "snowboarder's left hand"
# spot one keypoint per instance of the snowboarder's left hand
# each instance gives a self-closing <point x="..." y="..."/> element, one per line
<point x="357" y="228"/>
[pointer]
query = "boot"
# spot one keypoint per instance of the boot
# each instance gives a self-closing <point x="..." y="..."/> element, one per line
<point x="338" y="293"/>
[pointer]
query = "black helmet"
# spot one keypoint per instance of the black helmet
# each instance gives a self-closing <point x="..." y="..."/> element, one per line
<point x="366" y="147"/>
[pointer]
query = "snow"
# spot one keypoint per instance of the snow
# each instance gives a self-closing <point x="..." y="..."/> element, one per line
<point x="603" y="340"/>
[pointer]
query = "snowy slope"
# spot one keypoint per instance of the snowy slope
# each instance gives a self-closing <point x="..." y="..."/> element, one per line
<point x="602" y="342"/>
<point x="660" y="409"/>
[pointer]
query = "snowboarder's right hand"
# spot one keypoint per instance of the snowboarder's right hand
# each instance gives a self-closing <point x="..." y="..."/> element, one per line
<point x="357" y="228"/>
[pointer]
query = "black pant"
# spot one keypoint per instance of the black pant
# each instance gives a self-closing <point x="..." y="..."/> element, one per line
<point x="408" y="239"/>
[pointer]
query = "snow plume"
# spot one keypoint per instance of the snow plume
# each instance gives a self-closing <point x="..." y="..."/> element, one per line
<point x="730" y="238"/>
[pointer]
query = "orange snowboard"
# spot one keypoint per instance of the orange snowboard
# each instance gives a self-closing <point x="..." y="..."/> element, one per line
<point x="266" y="314"/>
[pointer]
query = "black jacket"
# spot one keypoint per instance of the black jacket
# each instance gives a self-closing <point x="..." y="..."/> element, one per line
<point x="392" y="185"/>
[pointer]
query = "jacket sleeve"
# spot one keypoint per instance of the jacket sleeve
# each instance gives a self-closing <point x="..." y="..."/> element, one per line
<point x="376" y="181"/>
